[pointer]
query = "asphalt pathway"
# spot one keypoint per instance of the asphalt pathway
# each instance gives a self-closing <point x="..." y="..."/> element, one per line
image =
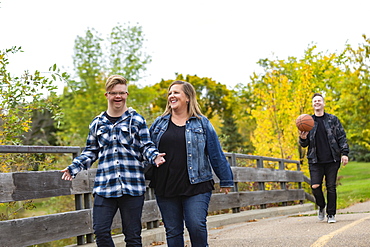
<point x="351" y="229"/>
<point x="290" y="226"/>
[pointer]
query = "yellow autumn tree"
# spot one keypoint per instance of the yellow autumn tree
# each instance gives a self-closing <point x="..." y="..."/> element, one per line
<point x="283" y="93"/>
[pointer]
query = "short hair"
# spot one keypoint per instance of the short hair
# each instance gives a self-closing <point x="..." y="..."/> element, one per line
<point x="114" y="80"/>
<point x="193" y="106"/>
<point x="318" y="94"/>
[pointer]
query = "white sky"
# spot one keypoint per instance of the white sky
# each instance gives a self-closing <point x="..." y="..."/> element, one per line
<point x="222" y="40"/>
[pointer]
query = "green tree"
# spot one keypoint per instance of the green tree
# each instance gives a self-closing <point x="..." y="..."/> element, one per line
<point x="243" y="104"/>
<point x="216" y="103"/>
<point x="352" y="95"/>
<point x="83" y="98"/>
<point x="127" y="56"/>
<point x="21" y="97"/>
<point x="211" y="95"/>
<point x="231" y="139"/>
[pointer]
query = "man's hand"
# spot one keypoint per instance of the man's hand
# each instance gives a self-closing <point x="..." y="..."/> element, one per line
<point x="344" y="160"/>
<point x="303" y="134"/>
<point x="66" y="174"/>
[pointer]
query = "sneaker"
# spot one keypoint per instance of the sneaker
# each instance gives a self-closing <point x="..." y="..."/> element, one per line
<point x="321" y="213"/>
<point x="331" y="219"/>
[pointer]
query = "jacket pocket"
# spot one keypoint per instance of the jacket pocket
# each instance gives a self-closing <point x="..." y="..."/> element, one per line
<point x="199" y="135"/>
<point x="103" y="136"/>
<point x="125" y="137"/>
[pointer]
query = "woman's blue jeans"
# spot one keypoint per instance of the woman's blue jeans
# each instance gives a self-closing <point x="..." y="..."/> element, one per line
<point x="189" y="209"/>
<point x="104" y="211"/>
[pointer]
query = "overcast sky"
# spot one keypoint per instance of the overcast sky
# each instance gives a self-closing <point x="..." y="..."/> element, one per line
<point x="222" y="40"/>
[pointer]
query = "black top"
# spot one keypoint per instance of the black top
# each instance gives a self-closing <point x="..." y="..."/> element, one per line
<point x="172" y="178"/>
<point x="113" y="120"/>
<point x="322" y="143"/>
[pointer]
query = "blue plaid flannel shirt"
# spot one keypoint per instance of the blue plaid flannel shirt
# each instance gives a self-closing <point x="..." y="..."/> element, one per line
<point x="121" y="149"/>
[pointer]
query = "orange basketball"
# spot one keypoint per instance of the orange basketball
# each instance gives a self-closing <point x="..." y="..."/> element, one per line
<point x="305" y="122"/>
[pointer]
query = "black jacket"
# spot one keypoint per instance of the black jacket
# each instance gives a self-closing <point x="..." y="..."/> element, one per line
<point x="336" y="137"/>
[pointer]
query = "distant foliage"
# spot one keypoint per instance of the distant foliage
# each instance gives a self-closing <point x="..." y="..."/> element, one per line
<point x="95" y="59"/>
<point x="20" y="97"/>
<point x="285" y="89"/>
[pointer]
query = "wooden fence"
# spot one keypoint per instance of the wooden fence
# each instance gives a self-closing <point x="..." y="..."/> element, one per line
<point x="21" y="186"/>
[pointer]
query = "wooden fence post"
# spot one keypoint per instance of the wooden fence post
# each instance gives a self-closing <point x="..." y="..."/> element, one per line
<point x="261" y="185"/>
<point x="282" y="184"/>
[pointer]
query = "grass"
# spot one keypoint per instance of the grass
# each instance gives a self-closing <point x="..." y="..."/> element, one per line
<point x="354" y="184"/>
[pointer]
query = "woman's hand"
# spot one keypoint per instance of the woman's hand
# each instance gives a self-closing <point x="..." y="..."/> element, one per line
<point x="159" y="160"/>
<point x="225" y="190"/>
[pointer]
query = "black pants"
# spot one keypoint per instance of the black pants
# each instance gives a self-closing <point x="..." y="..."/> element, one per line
<point x="317" y="173"/>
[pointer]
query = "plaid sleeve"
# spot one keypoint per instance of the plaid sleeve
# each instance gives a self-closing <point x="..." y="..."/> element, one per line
<point x="148" y="147"/>
<point x="90" y="153"/>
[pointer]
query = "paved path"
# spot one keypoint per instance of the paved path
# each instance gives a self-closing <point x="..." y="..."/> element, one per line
<point x="289" y="226"/>
<point x="352" y="229"/>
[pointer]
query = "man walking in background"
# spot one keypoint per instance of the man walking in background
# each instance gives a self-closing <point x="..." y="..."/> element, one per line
<point x="327" y="149"/>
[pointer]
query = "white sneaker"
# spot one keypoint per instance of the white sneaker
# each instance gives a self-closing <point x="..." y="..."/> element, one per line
<point x="331" y="219"/>
<point x="321" y="213"/>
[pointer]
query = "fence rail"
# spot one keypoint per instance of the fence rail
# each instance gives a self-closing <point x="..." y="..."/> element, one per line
<point x="21" y="186"/>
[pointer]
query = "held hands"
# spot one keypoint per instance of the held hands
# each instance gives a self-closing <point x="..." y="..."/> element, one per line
<point x="66" y="174"/>
<point x="159" y="160"/>
<point x="303" y="134"/>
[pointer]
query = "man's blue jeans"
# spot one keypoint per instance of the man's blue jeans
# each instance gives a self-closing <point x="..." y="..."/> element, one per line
<point x="131" y="210"/>
<point x="189" y="209"/>
<point x="317" y="173"/>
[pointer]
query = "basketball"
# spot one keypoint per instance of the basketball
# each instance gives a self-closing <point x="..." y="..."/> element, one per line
<point x="305" y="122"/>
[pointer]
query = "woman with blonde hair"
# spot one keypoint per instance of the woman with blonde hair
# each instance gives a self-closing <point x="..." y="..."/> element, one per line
<point x="183" y="184"/>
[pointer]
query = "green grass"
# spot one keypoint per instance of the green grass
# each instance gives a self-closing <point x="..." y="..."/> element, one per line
<point x="354" y="184"/>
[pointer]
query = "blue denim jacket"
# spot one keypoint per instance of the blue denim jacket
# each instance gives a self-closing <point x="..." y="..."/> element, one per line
<point x="203" y="150"/>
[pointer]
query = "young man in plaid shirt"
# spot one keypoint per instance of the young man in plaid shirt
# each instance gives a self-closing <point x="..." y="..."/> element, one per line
<point x="120" y="139"/>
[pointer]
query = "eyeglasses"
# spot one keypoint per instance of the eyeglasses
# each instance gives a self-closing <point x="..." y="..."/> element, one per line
<point x="117" y="93"/>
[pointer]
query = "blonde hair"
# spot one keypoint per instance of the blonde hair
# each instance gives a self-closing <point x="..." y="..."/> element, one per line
<point x="193" y="106"/>
<point x="114" y="80"/>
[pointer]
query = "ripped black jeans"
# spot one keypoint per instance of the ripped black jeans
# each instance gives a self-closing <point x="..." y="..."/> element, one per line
<point x="317" y="174"/>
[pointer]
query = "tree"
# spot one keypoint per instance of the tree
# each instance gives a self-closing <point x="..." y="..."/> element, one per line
<point x="237" y="122"/>
<point x="284" y="92"/>
<point x="231" y="139"/>
<point x="83" y="98"/>
<point x="216" y="103"/>
<point x="211" y="96"/>
<point x="127" y="56"/>
<point x="21" y="97"/>
<point x="243" y="104"/>
<point x="352" y="95"/>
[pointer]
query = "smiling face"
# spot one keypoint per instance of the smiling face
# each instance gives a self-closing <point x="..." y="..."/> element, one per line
<point x="117" y="102"/>
<point x="177" y="99"/>
<point x="318" y="104"/>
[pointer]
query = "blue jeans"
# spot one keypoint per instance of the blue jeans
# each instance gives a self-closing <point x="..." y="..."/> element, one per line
<point x="317" y="173"/>
<point x="104" y="211"/>
<point x="189" y="209"/>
